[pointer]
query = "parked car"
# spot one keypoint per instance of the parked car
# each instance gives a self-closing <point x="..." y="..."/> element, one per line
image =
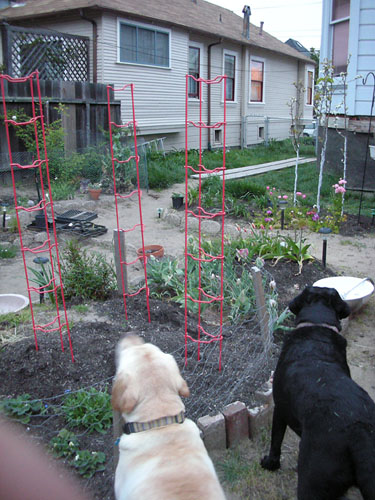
<point x="310" y="130"/>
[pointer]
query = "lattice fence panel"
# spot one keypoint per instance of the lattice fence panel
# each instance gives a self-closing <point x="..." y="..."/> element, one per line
<point x="56" y="56"/>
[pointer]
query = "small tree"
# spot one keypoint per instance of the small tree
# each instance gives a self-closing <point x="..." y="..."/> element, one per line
<point x="296" y="130"/>
<point x="323" y="103"/>
<point x="344" y="133"/>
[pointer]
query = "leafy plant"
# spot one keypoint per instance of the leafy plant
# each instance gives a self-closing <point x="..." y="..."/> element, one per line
<point x="90" y="409"/>
<point x="165" y="278"/>
<point x="62" y="190"/>
<point x="87" y="276"/>
<point x="22" y="408"/>
<point x="8" y="252"/>
<point x="65" y="444"/>
<point x="88" y="462"/>
<point x="43" y="278"/>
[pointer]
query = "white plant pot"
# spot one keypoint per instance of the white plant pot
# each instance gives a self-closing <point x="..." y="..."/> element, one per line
<point x="372" y="152"/>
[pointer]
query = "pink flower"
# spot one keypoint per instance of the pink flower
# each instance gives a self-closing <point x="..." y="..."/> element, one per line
<point x="261" y="226"/>
<point x="271" y="192"/>
<point x="340" y="189"/>
<point x="269" y="212"/>
<point x="303" y="196"/>
<point x="315" y="217"/>
<point x="285" y="196"/>
<point x="243" y="253"/>
<point x="279" y="196"/>
<point x="342" y="181"/>
<point x="298" y="193"/>
<point x="271" y="228"/>
<point x="267" y="187"/>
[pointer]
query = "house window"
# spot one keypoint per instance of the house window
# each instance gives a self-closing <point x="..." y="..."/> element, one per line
<point x="143" y="45"/>
<point x="194" y="64"/>
<point x="340" y="35"/>
<point x="261" y="133"/>
<point x="309" y="87"/>
<point x="230" y="71"/>
<point x="257" y="81"/>
<point x="218" y="136"/>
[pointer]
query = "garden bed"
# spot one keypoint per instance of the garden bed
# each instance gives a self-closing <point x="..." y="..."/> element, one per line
<point x="49" y="373"/>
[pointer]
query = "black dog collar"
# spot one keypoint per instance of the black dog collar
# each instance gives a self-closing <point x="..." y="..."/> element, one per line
<point x="131" y="427"/>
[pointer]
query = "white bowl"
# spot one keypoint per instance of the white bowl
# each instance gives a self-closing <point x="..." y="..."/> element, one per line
<point x="355" y="293"/>
<point x="11" y="303"/>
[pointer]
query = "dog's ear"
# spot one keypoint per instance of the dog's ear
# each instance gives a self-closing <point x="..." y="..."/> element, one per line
<point x="183" y="389"/>
<point x="123" y="397"/>
<point x="340" y="306"/>
<point x="302" y="299"/>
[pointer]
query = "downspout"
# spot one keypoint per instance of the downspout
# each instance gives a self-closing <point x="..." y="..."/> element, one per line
<point x="209" y="145"/>
<point x="94" y="45"/>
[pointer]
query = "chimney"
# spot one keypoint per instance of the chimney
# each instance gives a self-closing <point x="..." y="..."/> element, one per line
<point x="261" y="28"/>
<point x="246" y="21"/>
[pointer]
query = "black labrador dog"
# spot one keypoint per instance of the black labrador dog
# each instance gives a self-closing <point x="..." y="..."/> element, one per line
<point x="315" y="396"/>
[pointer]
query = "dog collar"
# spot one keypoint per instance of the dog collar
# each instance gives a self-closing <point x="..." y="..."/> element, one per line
<point x="131" y="427"/>
<point x="324" y="325"/>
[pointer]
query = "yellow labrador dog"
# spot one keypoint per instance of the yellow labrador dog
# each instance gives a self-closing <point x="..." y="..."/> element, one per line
<point x="162" y="456"/>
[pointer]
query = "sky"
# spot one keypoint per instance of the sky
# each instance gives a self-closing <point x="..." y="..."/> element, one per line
<point x="297" y="19"/>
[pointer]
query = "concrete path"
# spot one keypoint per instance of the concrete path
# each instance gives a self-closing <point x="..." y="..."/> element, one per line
<point x="238" y="173"/>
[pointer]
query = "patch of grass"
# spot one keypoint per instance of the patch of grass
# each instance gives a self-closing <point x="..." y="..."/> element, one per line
<point x="81" y="308"/>
<point x="234" y="467"/>
<point x="8" y="252"/>
<point x="353" y="243"/>
<point x="13" y="320"/>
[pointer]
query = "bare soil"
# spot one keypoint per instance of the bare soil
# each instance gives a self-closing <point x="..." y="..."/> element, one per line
<point x="49" y="372"/>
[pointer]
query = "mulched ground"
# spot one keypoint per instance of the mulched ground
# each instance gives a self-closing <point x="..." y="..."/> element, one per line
<point x="50" y="372"/>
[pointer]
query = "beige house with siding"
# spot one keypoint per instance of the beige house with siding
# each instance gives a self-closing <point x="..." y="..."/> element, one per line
<point x="154" y="44"/>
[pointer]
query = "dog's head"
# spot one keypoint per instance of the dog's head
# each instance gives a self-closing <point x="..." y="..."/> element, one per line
<point x="147" y="380"/>
<point x="319" y="305"/>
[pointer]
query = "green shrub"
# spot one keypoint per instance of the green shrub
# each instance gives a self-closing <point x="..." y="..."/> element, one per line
<point x="90" y="409"/>
<point x="86" y="276"/>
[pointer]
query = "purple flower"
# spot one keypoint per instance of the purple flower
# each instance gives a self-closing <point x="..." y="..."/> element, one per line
<point x="315" y="217"/>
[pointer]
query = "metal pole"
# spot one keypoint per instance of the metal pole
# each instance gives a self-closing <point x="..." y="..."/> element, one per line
<point x="324" y="254"/>
<point x="120" y="256"/>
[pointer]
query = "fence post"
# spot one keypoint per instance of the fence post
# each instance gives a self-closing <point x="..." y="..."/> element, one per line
<point x="119" y="267"/>
<point x="262" y="312"/>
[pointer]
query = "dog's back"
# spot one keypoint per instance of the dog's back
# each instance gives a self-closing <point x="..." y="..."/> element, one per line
<point x="161" y="454"/>
<point x="315" y="396"/>
<point x="169" y="464"/>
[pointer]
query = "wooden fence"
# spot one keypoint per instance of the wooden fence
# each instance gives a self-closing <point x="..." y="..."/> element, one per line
<point x="85" y="117"/>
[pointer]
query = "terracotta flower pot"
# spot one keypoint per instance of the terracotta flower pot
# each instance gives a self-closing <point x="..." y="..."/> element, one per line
<point x="156" y="251"/>
<point x="94" y="193"/>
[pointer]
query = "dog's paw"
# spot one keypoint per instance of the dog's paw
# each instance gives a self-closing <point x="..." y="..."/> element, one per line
<point x="270" y="463"/>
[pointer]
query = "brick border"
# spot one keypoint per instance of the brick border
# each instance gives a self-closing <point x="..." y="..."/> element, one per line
<point x="237" y="422"/>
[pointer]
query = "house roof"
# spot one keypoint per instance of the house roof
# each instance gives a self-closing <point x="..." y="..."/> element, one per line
<point x="197" y="15"/>
<point x="298" y="46"/>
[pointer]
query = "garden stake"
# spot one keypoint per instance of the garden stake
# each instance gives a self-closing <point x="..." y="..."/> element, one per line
<point x="325" y="231"/>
